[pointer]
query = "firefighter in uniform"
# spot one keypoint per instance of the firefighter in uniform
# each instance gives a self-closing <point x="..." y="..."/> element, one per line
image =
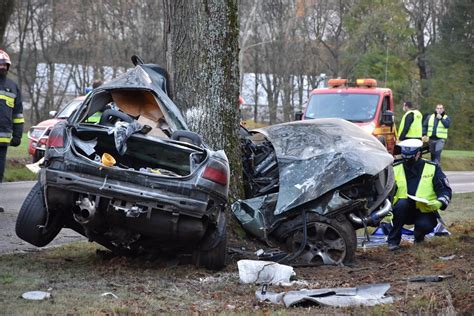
<point x="421" y="189"/>
<point x="436" y="128"/>
<point x="11" y="112"/>
<point x="411" y="125"/>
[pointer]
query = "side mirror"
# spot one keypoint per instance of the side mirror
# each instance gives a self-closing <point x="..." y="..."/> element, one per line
<point x="52" y="113"/>
<point x="387" y="118"/>
<point x="298" y="116"/>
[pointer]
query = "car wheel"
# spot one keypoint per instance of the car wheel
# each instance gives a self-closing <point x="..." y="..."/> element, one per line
<point x="32" y="218"/>
<point x="214" y="257"/>
<point x="329" y="241"/>
<point x="37" y="156"/>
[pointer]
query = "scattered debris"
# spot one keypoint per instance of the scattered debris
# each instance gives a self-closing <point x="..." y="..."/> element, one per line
<point x="109" y="294"/>
<point x="35" y="167"/>
<point x="367" y="295"/>
<point x="430" y="278"/>
<point x="36" y="295"/>
<point x="447" y="257"/>
<point x="264" y="272"/>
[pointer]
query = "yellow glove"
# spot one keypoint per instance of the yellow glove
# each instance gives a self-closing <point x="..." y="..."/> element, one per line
<point x="425" y="139"/>
<point x="434" y="205"/>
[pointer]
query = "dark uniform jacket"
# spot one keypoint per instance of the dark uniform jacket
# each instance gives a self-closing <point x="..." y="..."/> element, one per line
<point x="11" y="111"/>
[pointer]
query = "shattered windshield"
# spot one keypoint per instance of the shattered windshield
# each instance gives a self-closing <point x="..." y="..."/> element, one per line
<point x="354" y="107"/>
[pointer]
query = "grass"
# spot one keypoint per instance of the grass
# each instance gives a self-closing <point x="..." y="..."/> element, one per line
<point x="456" y="160"/>
<point x="20" y="151"/>
<point x="17" y="158"/>
<point x="458" y="153"/>
<point x="460" y="209"/>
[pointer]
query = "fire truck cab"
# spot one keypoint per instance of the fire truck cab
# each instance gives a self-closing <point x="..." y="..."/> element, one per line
<point x="361" y="103"/>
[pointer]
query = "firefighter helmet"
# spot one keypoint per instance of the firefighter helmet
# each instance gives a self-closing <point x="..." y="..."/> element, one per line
<point x="4" y="58"/>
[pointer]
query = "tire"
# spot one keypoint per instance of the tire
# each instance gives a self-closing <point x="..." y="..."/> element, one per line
<point x="329" y="241"/>
<point x="32" y="218"/>
<point x="37" y="156"/>
<point x="213" y="258"/>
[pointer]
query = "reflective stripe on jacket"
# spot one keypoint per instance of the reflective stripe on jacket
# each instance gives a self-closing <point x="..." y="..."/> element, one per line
<point x="425" y="187"/>
<point x="441" y="131"/>
<point x="11" y="111"/>
<point x="416" y="128"/>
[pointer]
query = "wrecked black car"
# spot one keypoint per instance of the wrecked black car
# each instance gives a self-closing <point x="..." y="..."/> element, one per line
<point x="135" y="181"/>
<point x="309" y="185"/>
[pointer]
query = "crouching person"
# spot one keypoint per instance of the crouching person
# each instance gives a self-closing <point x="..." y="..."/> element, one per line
<point x="421" y="190"/>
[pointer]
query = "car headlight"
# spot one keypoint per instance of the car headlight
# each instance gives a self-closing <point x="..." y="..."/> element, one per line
<point x="35" y="133"/>
<point x="369" y="128"/>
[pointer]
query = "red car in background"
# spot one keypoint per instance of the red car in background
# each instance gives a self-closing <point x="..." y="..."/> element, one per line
<point x="38" y="134"/>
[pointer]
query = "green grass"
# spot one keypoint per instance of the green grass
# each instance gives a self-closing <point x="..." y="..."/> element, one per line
<point x="457" y="153"/>
<point x="460" y="209"/>
<point x="17" y="158"/>
<point x="20" y="151"/>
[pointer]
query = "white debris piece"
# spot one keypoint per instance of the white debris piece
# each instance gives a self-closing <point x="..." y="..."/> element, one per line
<point x="36" y="295"/>
<point x="259" y="272"/>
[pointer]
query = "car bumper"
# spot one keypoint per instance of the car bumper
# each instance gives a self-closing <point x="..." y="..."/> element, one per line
<point x="194" y="203"/>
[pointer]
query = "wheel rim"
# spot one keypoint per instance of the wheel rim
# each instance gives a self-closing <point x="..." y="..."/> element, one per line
<point x="324" y="245"/>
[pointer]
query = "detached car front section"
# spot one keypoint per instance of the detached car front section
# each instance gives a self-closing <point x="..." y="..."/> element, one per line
<point x="326" y="173"/>
<point x="137" y="181"/>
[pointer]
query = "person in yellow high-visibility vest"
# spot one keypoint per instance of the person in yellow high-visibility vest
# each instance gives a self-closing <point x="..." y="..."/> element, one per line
<point x="421" y="189"/>
<point x="436" y="128"/>
<point x="411" y="125"/>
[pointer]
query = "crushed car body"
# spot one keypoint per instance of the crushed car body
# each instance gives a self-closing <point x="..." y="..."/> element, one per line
<point x="310" y="184"/>
<point x="137" y="181"/>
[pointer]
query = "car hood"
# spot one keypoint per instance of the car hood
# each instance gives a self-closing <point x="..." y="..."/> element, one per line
<point x="317" y="156"/>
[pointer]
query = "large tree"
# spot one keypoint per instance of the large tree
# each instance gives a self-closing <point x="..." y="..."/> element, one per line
<point x="6" y="10"/>
<point x="201" y="41"/>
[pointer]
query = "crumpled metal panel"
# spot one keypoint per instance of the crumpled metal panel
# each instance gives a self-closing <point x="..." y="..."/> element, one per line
<point x="143" y="77"/>
<point x="256" y="217"/>
<point x="366" y="295"/>
<point x="316" y="156"/>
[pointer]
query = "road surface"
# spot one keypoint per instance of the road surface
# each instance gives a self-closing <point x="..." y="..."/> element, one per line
<point x="12" y="195"/>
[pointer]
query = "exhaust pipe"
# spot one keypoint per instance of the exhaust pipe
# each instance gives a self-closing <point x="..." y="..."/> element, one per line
<point x="85" y="211"/>
<point x="374" y="217"/>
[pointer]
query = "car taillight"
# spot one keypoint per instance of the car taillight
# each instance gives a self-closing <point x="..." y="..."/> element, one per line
<point x="216" y="172"/>
<point x="35" y="133"/>
<point x="56" y="137"/>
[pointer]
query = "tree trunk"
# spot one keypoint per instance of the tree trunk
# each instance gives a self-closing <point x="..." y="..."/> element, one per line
<point x="6" y="10"/>
<point x="201" y="40"/>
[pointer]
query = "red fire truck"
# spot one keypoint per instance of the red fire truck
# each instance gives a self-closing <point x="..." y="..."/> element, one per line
<point x="361" y="103"/>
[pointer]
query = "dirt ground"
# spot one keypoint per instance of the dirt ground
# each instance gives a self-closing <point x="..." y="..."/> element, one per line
<point x="146" y="287"/>
<point x="76" y="276"/>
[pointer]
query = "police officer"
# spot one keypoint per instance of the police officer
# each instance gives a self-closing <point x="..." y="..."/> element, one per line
<point x="411" y="125"/>
<point x="436" y="128"/>
<point x="421" y="190"/>
<point x="11" y="112"/>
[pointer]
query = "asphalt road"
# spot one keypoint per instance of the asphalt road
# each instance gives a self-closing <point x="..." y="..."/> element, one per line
<point x="12" y="195"/>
